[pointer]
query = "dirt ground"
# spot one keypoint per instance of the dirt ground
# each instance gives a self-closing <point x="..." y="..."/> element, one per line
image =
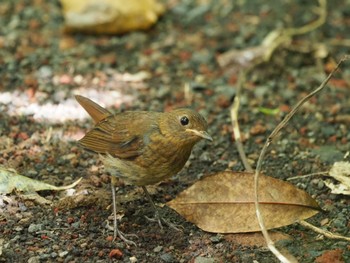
<point x="172" y="65"/>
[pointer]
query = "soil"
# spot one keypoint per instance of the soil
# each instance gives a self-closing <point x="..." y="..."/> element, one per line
<point x="174" y="64"/>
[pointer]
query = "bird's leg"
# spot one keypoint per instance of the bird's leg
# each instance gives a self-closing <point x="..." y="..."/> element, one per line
<point x="158" y="217"/>
<point x="115" y="223"/>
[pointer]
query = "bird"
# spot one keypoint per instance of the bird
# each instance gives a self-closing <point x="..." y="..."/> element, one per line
<point x="142" y="147"/>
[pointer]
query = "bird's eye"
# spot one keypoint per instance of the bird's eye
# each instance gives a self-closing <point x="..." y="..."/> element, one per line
<point x="184" y="121"/>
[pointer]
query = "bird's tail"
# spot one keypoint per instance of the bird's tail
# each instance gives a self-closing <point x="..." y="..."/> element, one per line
<point x="97" y="112"/>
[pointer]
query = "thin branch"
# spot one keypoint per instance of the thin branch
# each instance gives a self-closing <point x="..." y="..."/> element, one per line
<point x="269" y="140"/>
<point x="323" y="232"/>
<point x="306" y="175"/>
<point x="235" y="124"/>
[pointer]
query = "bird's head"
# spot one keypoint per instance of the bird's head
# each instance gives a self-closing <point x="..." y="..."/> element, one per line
<point x="185" y="125"/>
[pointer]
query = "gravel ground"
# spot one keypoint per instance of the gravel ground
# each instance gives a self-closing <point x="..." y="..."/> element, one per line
<point x="172" y="65"/>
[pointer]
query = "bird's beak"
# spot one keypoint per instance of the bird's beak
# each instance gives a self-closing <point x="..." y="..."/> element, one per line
<point x="202" y="134"/>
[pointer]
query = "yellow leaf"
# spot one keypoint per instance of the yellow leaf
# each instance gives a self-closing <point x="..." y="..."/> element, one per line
<point x="110" y="16"/>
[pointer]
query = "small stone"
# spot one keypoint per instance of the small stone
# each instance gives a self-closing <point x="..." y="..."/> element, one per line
<point x="205" y="157"/>
<point x="83" y="245"/>
<point x="18" y="228"/>
<point x="76" y="224"/>
<point x="44" y="72"/>
<point x="257" y="129"/>
<point x="44" y="256"/>
<point x="216" y="239"/>
<point x="166" y="257"/>
<point x="158" y="249"/>
<point x="115" y="253"/>
<point x="33" y="228"/>
<point x="63" y="254"/>
<point x="34" y="260"/>
<point x="320" y="185"/>
<point x="204" y="260"/>
<point x="133" y="259"/>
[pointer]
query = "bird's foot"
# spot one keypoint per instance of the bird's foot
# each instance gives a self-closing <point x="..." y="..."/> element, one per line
<point x="122" y="236"/>
<point x="161" y="220"/>
<point x="157" y="217"/>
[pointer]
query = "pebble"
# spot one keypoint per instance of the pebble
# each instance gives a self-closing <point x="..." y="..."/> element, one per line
<point x="216" y="239"/>
<point x="76" y="224"/>
<point x="205" y="157"/>
<point x="133" y="259"/>
<point x="158" y="249"/>
<point x="18" y="228"/>
<point x="32" y="173"/>
<point x="33" y="228"/>
<point x="320" y="185"/>
<point x="35" y="259"/>
<point x="69" y="258"/>
<point x="328" y="154"/>
<point x="340" y="221"/>
<point x="204" y="260"/>
<point x="44" y="256"/>
<point x="44" y="72"/>
<point x="166" y="257"/>
<point x="63" y="254"/>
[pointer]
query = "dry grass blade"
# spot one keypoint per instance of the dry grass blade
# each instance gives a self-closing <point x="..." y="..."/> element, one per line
<point x="279" y="127"/>
<point x="323" y="232"/>
<point x="235" y="123"/>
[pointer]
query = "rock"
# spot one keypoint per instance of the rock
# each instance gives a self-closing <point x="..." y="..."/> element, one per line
<point x="158" y="249"/>
<point x="35" y="259"/>
<point x="33" y="228"/>
<point x="204" y="260"/>
<point x="133" y="259"/>
<point x="166" y="257"/>
<point x="62" y="254"/>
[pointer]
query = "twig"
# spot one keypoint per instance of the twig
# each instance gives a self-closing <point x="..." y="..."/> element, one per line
<point x="279" y="127"/>
<point x="321" y="10"/>
<point x="323" y="232"/>
<point x="235" y="124"/>
<point x="278" y="37"/>
<point x="306" y="175"/>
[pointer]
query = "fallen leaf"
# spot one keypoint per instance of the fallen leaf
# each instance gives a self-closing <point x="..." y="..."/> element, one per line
<point x="224" y="203"/>
<point x="110" y="16"/>
<point x="10" y="180"/>
<point x="340" y="171"/>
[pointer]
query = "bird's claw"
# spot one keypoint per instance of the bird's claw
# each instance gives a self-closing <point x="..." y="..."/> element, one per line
<point x="121" y="235"/>
<point x="160" y="219"/>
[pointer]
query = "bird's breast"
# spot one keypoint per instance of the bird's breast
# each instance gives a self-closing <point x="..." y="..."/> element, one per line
<point x="161" y="158"/>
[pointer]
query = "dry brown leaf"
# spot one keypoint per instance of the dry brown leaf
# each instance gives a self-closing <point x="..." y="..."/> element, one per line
<point x="340" y="171"/>
<point x="110" y="16"/>
<point x="224" y="203"/>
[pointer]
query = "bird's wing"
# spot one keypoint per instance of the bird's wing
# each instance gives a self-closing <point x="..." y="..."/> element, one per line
<point x="123" y="135"/>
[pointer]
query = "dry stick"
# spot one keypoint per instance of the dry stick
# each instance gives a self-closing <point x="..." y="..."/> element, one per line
<point x="306" y="175"/>
<point x="235" y="124"/>
<point x="323" y="232"/>
<point x="322" y="12"/>
<point x="280" y="126"/>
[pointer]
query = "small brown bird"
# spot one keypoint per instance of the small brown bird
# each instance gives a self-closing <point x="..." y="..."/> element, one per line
<point x="142" y="147"/>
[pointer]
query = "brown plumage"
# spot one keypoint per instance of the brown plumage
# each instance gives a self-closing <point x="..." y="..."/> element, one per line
<point x="143" y="147"/>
